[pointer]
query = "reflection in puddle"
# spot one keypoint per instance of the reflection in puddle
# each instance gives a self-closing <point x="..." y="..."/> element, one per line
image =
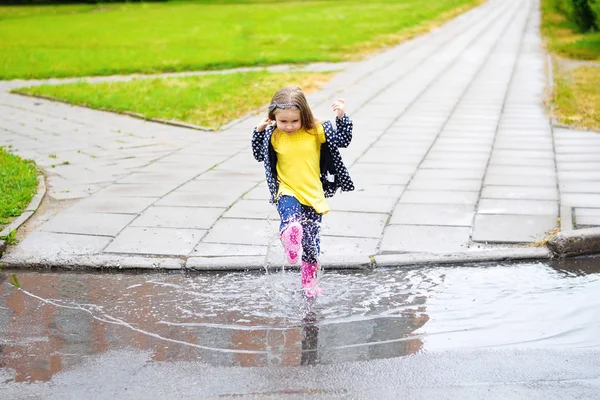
<point x="258" y="319"/>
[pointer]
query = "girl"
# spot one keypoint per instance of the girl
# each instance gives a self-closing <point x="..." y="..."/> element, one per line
<point x="303" y="166"/>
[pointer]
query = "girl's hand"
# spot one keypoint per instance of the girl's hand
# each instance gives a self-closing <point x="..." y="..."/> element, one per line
<point x="338" y="107"/>
<point x="263" y="124"/>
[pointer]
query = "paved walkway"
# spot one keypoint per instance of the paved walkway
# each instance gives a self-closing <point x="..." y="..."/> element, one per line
<point x="452" y="152"/>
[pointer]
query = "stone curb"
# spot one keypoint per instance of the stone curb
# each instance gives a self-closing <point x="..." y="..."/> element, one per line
<point x="575" y="243"/>
<point x="29" y="211"/>
<point x="249" y="263"/>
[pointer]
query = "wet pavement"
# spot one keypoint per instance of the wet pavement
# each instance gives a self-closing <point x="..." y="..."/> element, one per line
<point x="513" y="330"/>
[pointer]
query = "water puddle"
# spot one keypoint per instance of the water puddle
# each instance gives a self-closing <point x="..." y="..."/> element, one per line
<point x="58" y="319"/>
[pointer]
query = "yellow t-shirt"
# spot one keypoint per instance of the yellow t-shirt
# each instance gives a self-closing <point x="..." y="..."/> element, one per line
<point x="298" y="166"/>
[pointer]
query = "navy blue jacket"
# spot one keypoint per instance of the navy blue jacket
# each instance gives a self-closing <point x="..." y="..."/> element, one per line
<point x="334" y="174"/>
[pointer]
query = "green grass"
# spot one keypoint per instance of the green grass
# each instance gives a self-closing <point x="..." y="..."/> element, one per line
<point x="207" y="100"/>
<point x="562" y="37"/>
<point x="577" y="97"/>
<point x="18" y="184"/>
<point x="82" y="40"/>
<point x="576" y="92"/>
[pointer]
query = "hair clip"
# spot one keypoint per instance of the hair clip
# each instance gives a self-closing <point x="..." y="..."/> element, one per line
<point x="283" y="106"/>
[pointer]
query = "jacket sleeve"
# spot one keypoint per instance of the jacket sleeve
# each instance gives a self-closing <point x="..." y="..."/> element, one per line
<point x="258" y="139"/>
<point x="340" y="137"/>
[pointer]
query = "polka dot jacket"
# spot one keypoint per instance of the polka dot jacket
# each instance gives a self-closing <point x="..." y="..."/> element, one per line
<point x="334" y="174"/>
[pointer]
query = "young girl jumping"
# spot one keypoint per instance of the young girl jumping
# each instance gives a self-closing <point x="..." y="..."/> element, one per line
<point x="303" y="166"/>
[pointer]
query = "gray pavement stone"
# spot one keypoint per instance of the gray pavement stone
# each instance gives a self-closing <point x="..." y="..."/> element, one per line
<point x="115" y="205"/>
<point x="102" y="224"/>
<point x="512" y="228"/>
<point x="342" y="223"/>
<point x="253" y="209"/>
<point x="580" y="199"/>
<point x="517" y="207"/>
<point x="579" y="166"/>
<point x="198" y="199"/>
<point x="439" y="197"/>
<point x="578" y="175"/>
<point x="412" y="238"/>
<point x="362" y="202"/>
<point x="449" y="174"/>
<point x="160" y="241"/>
<point x="519" y="193"/>
<point x="178" y="217"/>
<point x="519" y="180"/>
<point x="467" y="185"/>
<point x="243" y="231"/>
<point x="433" y="214"/>
<point x="525" y="170"/>
<point x="227" y="250"/>
<point x="362" y="180"/>
<point x="517" y="161"/>
<point x="340" y="247"/>
<point x="588" y="216"/>
<point x="43" y="244"/>
<point x="137" y="190"/>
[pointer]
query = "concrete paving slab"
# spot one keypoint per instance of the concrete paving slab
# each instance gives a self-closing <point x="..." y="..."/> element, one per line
<point x="253" y="209"/>
<point x="372" y="190"/>
<point x="412" y="238"/>
<point x="578" y="175"/>
<point x="112" y="204"/>
<point x="518" y="207"/>
<point x="467" y="185"/>
<point x="340" y="247"/>
<point x="42" y="244"/>
<point x="512" y="228"/>
<point x="453" y="164"/>
<point x="102" y="224"/>
<point x="243" y="231"/>
<point x="198" y="199"/>
<point x="156" y="241"/>
<point x="519" y="193"/>
<point x="228" y="250"/>
<point x="519" y="180"/>
<point x="362" y="202"/>
<point x="449" y="174"/>
<point x="342" y="223"/>
<point x="439" y="197"/>
<point x="548" y="154"/>
<point x="516" y="161"/>
<point x="525" y="170"/>
<point x="580" y="200"/>
<point x="178" y="217"/>
<point x="362" y="180"/>
<point x="260" y="192"/>
<point x="578" y="166"/>
<point x="433" y="214"/>
<point x="588" y="216"/>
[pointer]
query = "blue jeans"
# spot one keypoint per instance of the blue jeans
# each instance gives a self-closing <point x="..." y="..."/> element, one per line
<point x="291" y="210"/>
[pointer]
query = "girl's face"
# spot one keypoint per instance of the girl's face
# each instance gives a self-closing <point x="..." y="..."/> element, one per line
<point x="288" y="120"/>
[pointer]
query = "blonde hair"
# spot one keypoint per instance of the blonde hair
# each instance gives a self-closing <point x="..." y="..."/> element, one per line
<point x="293" y="96"/>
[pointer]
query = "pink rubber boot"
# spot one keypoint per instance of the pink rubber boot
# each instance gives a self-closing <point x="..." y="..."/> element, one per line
<point x="291" y="237"/>
<point x="309" y="279"/>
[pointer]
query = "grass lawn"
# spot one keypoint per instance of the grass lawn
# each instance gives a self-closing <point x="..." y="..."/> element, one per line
<point x="82" y="40"/>
<point x="18" y="184"/>
<point x="562" y="37"/>
<point x="576" y="95"/>
<point x="206" y="100"/>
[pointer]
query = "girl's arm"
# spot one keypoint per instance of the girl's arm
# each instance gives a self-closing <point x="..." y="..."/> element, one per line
<point x="340" y="137"/>
<point x="258" y="139"/>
